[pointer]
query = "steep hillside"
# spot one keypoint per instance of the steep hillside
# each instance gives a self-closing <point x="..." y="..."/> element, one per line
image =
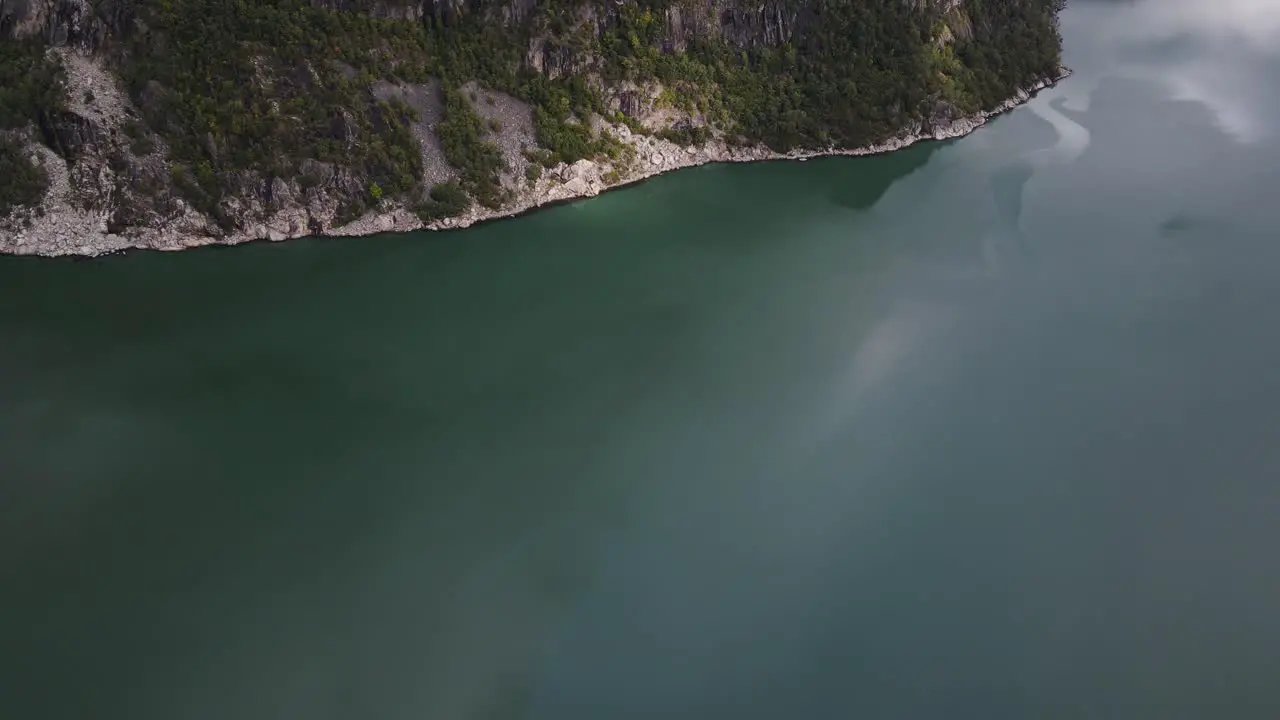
<point x="166" y="123"/>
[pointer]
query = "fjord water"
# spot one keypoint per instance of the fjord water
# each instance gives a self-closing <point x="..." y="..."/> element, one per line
<point x="985" y="429"/>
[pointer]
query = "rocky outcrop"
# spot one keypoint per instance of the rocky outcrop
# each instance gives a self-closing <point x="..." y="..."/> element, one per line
<point x="112" y="186"/>
<point x="291" y="210"/>
<point x="769" y="24"/>
<point x="655" y="156"/>
<point x="447" y="12"/>
<point x="65" y="23"/>
<point x="71" y="135"/>
<point x="381" y="9"/>
<point x="743" y="25"/>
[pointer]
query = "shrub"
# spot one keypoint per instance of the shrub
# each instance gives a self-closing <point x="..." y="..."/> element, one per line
<point x="21" y="183"/>
<point x="478" y="161"/>
<point x="445" y="200"/>
<point x="31" y="83"/>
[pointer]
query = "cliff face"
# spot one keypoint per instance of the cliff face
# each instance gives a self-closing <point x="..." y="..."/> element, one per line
<point x="166" y="123"/>
<point x="75" y="23"/>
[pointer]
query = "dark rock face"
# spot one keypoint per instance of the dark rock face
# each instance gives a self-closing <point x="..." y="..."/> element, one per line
<point x="557" y="59"/>
<point x="142" y="193"/>
<point x="768" y="24"/>
<point x="515" y="12"/>
<point x="70" y="135"/>
<point x="448" y="11"/>
<point x="942" y="115"/>
<point x="741" y="23"/>
<point x="382" y="9"/>
<point x="744" y="24"/>
<point x="76" y="23"/>
<point x="630" y="103"/>
<point x="21" y="18"/>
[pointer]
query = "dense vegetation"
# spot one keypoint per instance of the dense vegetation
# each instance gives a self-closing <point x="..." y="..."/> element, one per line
<point x="479" y="161"/>
<point x="444" y="201"/>
<point x="1019" y="43"/>
<point x="235" y="86"/>
<point x="21" y="183"/>
<point x="30" y="85"/>
<point x="855" y="75"/>
<point x="30" y="93"/>
<point x="243" y="91"/>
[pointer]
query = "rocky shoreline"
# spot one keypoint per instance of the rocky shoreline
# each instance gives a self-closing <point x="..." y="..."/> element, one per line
<point x="60" y="228"/>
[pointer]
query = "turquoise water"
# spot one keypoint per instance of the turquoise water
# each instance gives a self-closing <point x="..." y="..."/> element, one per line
<point x="979" y="429"/>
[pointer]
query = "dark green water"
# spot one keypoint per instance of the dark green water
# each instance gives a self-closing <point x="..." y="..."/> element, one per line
<point x="977" y="430"/>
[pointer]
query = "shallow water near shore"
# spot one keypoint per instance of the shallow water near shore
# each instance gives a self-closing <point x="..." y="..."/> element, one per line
<point x="982" y="428"/>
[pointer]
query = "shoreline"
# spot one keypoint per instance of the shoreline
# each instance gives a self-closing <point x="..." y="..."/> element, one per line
<point x="560" y="185"/>
<point x="891" y="146"/>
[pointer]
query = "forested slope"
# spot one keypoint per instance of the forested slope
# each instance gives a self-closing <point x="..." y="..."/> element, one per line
<point x="216" y="114"/>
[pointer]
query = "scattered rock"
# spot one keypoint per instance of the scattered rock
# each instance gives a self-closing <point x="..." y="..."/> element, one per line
<point x="284" y="210"/>
<point x="578" y="187"/>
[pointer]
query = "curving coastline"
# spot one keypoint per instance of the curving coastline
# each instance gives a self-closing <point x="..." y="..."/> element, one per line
<point x="61" y="229"/>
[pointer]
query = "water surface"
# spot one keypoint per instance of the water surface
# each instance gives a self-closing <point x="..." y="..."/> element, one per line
<point x="983" y="429"/>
